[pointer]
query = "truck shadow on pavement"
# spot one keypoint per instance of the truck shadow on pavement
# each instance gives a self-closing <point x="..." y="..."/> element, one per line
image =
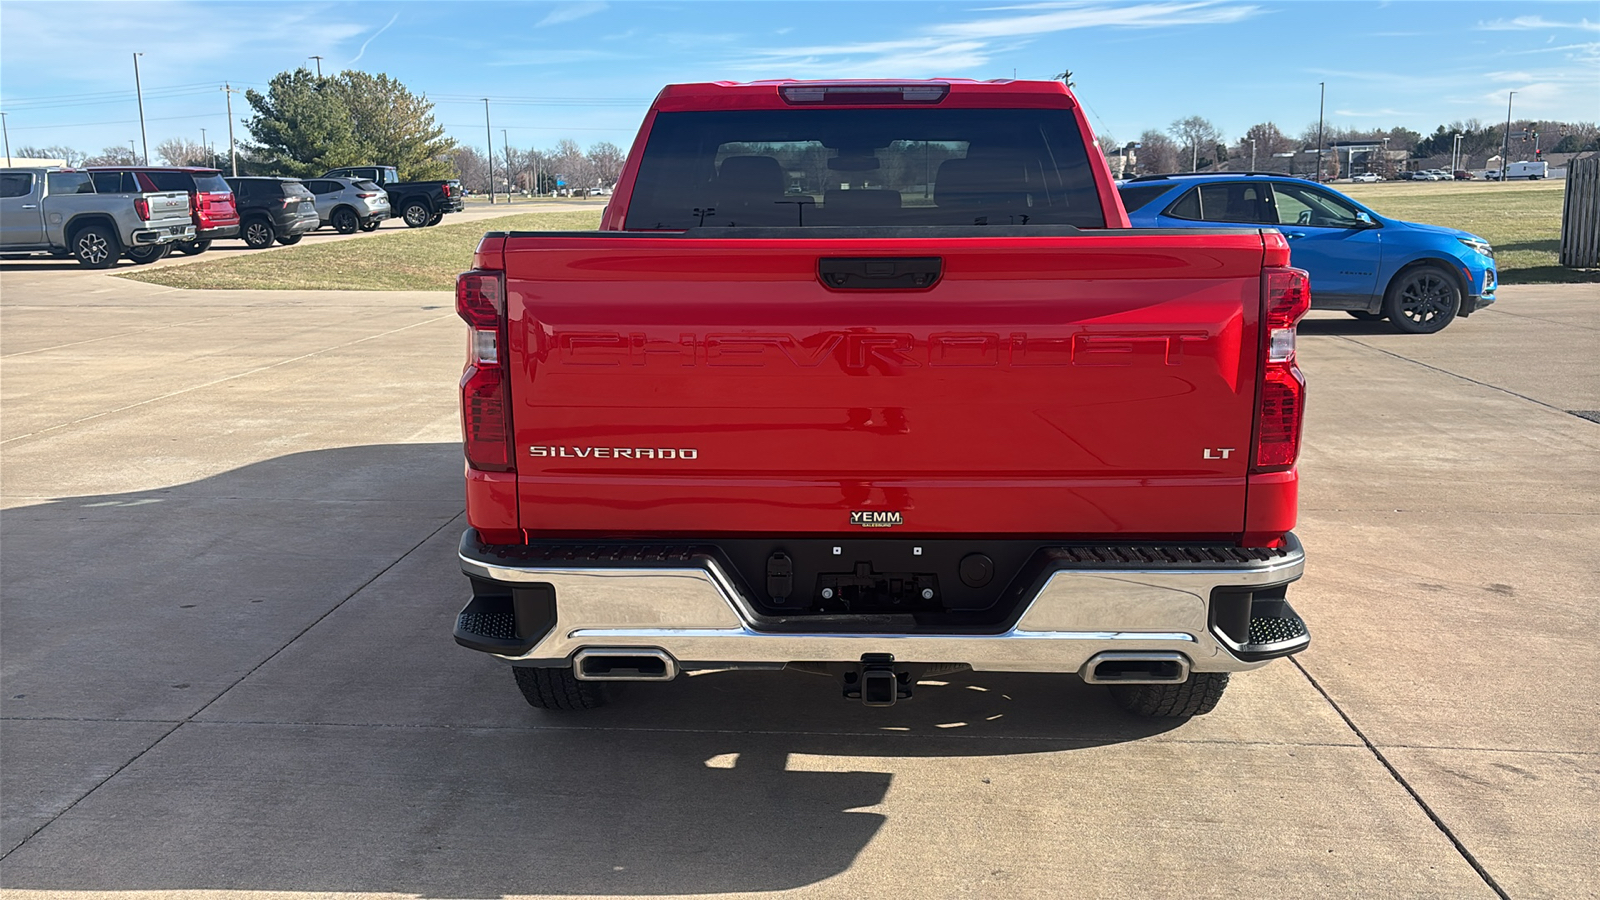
<point x="291" y="619"/>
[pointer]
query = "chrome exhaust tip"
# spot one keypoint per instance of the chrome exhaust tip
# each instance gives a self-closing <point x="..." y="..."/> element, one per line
<point x="624" y="664"/>
<point x="1136" y="668"/>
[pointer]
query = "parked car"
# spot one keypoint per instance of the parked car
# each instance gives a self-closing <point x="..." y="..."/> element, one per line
<point x="349" y="204"/>
<point x="965" y="434"/>
<point x="60" y="211"/>
<point x="273" y="209"/>
<point x="210" y="199"/>
<point x="1463" y="175"/>
<point x="1419" y="277"/>
<point x="418" y="203"/>
<point x="1366" y="178"/>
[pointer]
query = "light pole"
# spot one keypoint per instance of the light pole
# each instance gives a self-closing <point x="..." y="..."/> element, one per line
<point x="488" y="134"/>
<point x="7" y="132"/>
<point x="233" y="156"/>
<point x="1505" y="145"/>
<point x="138" y="91"/>
<point x="1252" y="154"/>
<point x="1321" y="105"/>
<point x="203" y="146"/>
<point x="505" y="143"/>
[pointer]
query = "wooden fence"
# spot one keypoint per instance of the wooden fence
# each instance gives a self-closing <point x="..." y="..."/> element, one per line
<point x="1580" y="215"/>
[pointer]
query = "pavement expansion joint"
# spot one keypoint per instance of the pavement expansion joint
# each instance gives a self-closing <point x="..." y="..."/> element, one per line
<point x="1394" y="773"/>
<point x="1493" y="387"/>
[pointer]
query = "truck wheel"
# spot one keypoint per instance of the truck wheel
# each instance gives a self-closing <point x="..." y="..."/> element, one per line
<point x="1365" y="316"/>
<point x="192" y="248"/>
<point x="558" y="689"/>
<point x="149" y="253"/>
<point x="416" y="214"/>
<point x="289" y="240"/>
<point x="1422" y="300"/>
<point x="437" y="218"/>
<point x="370" y="226"/>
<point x="1195" y="697"/>
<point x="258" y="234"/>
<point x="344" y="220"/>
<point x="95" y="247"/>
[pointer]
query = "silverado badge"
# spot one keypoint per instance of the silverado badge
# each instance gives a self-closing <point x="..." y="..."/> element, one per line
<point x="875" y="518"/>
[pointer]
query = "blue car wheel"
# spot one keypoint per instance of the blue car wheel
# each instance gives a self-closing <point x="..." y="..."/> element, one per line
<point x="1422" y="300"/>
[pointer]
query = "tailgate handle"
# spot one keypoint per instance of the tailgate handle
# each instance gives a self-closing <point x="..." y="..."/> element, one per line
<point x="855" y="273"/>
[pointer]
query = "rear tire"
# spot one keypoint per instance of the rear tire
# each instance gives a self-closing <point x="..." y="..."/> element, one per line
<point x="192" y="248"/>
<point x="289" y="240"/>
<point x="96" y="247"/>
<point x="148" y="253"/>
<point x="558" y="689"/>
<point x="1195" y="697"/>
<point x="370" y="226"/>
<point x="1422" y="300"/>
<point x="345" y="221"/>
<point x="417" y="214"/>
<point x="257" y="234"/>
<point x="437" y="218"/>
<point x="1364" y="316"/>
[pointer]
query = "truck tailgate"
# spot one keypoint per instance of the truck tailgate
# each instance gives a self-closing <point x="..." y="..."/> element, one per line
<point x="1092" y="384"/>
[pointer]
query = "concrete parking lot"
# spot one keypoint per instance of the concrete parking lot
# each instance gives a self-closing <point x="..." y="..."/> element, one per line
<point x="228" y="586"/>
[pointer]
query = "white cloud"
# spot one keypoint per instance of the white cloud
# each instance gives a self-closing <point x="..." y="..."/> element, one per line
<point x="363" y="51"/>
<point x="1049" y="18"/>
<point x="951" y="47"/>
<point x="571" y="12"/>
<point x="1532" y="23"/>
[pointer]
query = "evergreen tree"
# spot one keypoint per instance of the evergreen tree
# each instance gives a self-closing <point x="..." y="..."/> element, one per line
<point x="301" y="126"/>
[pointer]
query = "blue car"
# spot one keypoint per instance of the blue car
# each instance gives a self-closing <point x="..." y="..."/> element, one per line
<point x="1419" y="277"/>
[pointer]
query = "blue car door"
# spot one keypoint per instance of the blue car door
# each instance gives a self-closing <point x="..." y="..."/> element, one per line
<point x="1331" y="239"/>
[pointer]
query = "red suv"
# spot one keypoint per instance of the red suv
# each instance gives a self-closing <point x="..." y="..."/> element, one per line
<point x="210" y="199"/>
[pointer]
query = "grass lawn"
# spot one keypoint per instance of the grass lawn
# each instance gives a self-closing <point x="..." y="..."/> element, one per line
<point x="1522" y="219"/>
<point x="417" y="259"/>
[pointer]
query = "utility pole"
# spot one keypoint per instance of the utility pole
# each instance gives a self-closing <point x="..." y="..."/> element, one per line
<point x="1505" y="147"/>
<point x="133" y="151"/>
<point x="204" y="148"/>
<point x="489" y="134"/>
<point x="7" y="132"/>
<point x="1252" y="154"/>
<point x="138" y="91"/>
<point x="1321" y="105"/>
<point x="319" y="66"/>
<point x="506" y="143"/>
<point x="233" y="156"/>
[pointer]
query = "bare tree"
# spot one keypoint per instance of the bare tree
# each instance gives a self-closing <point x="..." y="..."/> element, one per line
<point x="72" y="156"/>
<point x="115" y="155"/>
<point x="181" y="152"/>
<point x="470" y="167"/>
<point x="605" y="159"/>
<point x="1193" y="133"/>
<point x="1157" y="153"/>
<point x="570" y="165"/>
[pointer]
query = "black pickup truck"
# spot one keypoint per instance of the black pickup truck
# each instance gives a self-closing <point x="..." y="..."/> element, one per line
<point x="419" y="203"/>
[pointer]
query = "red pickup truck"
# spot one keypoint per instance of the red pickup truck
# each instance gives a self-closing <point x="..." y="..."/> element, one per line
<point x="873" y="380"/>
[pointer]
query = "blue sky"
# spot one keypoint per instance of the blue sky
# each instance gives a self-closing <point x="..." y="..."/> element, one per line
<point x="587" y="70"/>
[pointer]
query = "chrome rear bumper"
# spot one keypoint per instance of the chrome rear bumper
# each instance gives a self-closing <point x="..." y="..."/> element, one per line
<point x="693" y="612"/>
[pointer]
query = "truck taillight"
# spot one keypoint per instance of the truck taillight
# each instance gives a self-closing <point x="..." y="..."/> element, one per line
<point x="1280" y="409"/>
<point x="447" y="189"/>
<point x="485" y="399"/>
<point x="142" y="207"/>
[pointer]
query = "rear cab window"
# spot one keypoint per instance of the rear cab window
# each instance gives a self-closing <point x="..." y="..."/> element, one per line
<point x="69" y="183"/>
<point x="864" y="167"/>
<point x="16" y="184"/>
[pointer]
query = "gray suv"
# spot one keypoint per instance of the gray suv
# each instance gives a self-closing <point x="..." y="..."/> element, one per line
<point x="349" y="204"/>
